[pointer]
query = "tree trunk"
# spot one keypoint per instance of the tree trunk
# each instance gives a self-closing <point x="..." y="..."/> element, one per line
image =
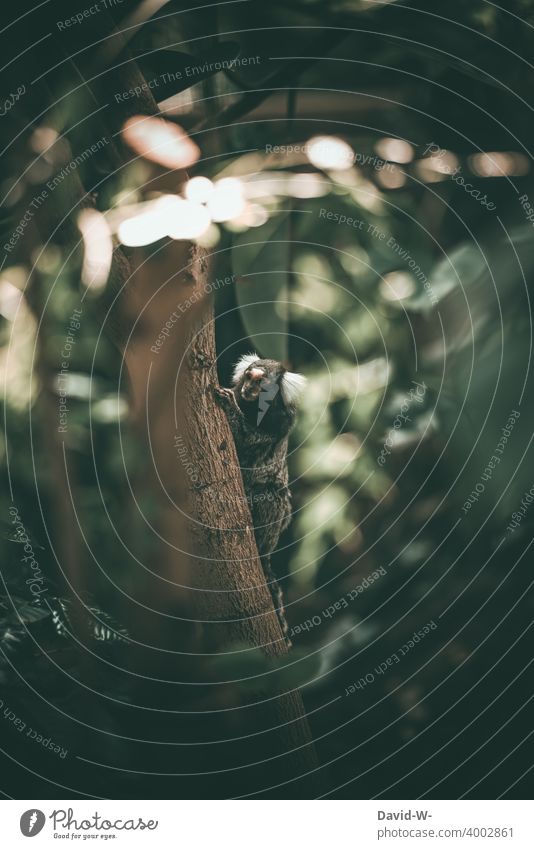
<point x="228" y="590"/>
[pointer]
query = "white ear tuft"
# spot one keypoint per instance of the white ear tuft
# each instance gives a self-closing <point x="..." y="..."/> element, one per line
<point x="242" y="365"/>
<point x="292" y="386"/>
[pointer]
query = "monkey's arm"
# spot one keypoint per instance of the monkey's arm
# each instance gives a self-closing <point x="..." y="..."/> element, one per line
<point x="226" y="399"/>
<point x="245" y="438"/>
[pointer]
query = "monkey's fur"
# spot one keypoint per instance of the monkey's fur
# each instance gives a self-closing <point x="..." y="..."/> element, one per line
<point x="261" y="410"/>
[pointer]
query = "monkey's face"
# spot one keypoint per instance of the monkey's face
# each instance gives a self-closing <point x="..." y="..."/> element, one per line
<point x="266" y="387"/>
<point x="256" y="379"/>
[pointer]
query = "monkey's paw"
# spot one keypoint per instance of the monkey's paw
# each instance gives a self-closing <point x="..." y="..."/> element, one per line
<point x="225" y="397"/>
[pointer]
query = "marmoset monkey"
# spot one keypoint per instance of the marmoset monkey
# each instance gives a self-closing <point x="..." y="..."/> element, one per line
<point x="261" y="410"/>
